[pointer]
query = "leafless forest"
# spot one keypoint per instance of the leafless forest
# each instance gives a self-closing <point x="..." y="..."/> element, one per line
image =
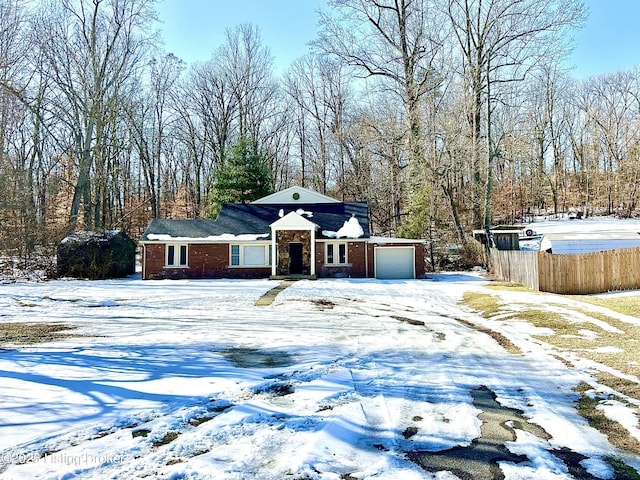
<point x="446" y="115"/>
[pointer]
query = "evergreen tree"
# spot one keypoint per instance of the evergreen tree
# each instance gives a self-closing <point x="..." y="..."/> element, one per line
<point x="243" y="176"/>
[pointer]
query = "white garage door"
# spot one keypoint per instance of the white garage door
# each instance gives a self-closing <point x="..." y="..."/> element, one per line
<point x="395" y="262"/>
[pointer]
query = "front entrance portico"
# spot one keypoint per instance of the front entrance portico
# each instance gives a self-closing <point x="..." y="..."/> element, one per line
<point x="293" y="246"/>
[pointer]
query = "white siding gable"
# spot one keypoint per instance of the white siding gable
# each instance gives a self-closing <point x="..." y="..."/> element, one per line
<point x="293" y="221"/>
<point x="295" y="195"/>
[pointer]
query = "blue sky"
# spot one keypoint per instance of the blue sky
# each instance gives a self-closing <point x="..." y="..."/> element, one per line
<point x="610" y="40"/>
<point x="192" y="29"/>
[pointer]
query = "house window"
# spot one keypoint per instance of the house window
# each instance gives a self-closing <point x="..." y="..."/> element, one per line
<point x="254" y="255"/>
<point x="335" y="253"/>
<point x="250" y="255"/>
<point x="235" y="255"/>
<point x="176" y="255"/>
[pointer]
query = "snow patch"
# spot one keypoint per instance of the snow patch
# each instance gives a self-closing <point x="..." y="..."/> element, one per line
<point x="619" y="412"/>
<point x="350" y="229"/>
<point x="245" y="237"/>
<point x="306" y="213"/>
<point x="608" y="349"/>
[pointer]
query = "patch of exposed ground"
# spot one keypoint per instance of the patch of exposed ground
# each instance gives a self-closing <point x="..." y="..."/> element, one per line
<point x="602" y="338"/>
<point x="510" y="286"/>
<point x="588" y="408"/>
<point x="323" y="303"/>
<point x="30" y="333"/>
<point x="255" y="358"/>
<point x="628" y="304"/>
<point x="166" y="439"/>
<point x="156" y="439"/>
<point x="410" y="321"/>
<point x="622" y="385"/>
<point x="480" y="460"/>
<point x="617" y="346"/>
<point x="503" y="341"/>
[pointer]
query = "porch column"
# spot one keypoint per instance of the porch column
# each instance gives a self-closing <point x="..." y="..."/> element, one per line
<point x="274" y="252"/>
<point x="312" y="267"/>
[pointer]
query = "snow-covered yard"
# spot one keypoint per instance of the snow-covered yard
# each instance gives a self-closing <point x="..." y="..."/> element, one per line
<point x="337" y="379"/>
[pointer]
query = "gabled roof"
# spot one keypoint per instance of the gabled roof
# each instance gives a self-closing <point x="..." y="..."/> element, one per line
<point x="294" y="221"/>
<point x="253" y="221"/>
<point x="294" y="195"/>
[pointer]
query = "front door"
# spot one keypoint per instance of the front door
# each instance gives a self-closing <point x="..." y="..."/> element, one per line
<point x="295" y="258"/>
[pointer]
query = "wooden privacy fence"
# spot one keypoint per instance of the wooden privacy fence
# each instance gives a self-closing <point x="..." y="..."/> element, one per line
<point x="518" y="266"/>
<point x="577" y="274"/>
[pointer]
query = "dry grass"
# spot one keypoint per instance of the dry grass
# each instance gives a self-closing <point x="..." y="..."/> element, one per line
<point x="543" y="319"/>
<point x="503" y="341"/>
<point x="628" y="305"/>
<point x="487" y="305"/>
<point x="571" y="334"/>
<point x="30" y="333"/>
<point x="622" y="385"/>
<point x="572" y="331"/>
<point x="588" y="408"/>
<point x="510" y="286"/>
<point x="167" y="439"/>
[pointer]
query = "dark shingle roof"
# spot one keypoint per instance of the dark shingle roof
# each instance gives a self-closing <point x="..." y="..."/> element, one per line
<point x="180" y="228"/>
<point x="239" y="219"/>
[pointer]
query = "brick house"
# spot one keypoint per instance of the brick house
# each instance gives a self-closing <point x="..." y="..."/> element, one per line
<point x="292" y="233"/>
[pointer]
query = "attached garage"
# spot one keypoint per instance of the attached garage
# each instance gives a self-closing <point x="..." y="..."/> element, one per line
<point x="395" y="262"/>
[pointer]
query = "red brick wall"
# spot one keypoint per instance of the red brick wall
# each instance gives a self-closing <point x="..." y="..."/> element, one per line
<point x="212" y="261"/>
<point x="208" y="261"/>
<point x="153" y="260"/>
<point x="420" y="265"/>
<point x="356" y="256"/>
<point x="205" y="261"/>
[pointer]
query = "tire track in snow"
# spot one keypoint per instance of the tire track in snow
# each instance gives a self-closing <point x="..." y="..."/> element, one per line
<point x="375" y="409"/>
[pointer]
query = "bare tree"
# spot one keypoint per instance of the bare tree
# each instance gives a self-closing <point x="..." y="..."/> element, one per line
<point x="320" y="92"/>
<point x="247" y="66"/>
<point x="231" y="96"/>
<point x="612" y="105"/>
<point x="19" y="155"/>
<point x="92" y="49"/>
<point x="393" y="41"/>
<point x="501" y="41"/>
<point x="547" y="98"/>
<point x="378" y="156"/>
<point x="150" y="115"/>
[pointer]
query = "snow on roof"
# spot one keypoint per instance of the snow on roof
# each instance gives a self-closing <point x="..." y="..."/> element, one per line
<point x="376" y="239"/>
<point x="211" y="238"/>
<point x="350" y="229"/>
<point x="88" y="235"/>
<point x="302" y="211"/>
<point x="249" y="219"/>
<point x="293" y="221"/>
